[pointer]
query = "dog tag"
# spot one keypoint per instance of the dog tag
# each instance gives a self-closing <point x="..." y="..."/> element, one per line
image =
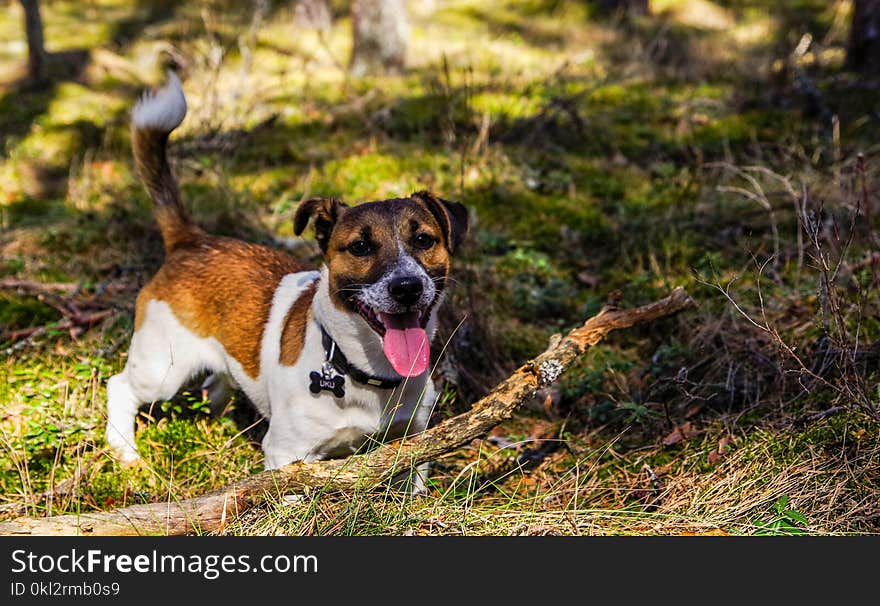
<point x="327" y="380"/>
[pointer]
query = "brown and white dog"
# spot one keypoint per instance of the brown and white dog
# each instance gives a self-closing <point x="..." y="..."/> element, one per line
<point x="333" y="357"/>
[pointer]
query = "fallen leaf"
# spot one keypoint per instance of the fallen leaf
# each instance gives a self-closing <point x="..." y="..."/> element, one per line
<point x="588" y="279"/>
<point x="618" y="159"/>
<point x="716" y="455"/>
<point x="552" y="398"/>
<point x="543" y="430"/>
<point x="679" y="433"/>
<point x="693" y="410"/>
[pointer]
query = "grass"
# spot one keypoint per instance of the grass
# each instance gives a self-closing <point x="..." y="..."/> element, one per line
<point x="601" y="159"/>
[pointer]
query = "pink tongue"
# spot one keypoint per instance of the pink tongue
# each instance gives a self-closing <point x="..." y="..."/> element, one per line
<point x="406" y="344"/>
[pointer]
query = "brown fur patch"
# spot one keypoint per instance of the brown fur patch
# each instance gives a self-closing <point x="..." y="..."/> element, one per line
<point x="293" y="335"/>
<point x="452" y="217"/>
<point x="151" y="160"/>
<point x="222" y="288"/>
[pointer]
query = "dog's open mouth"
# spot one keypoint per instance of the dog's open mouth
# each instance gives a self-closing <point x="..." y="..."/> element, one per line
<point x="404" y="339"/>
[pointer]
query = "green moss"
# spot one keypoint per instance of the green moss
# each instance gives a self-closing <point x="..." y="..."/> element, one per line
<point x="534" y="286"/>
<point x="24" y="312"/>
<point x="518" y="340"/>
<point x="505" y="105"/>
<point x="376" y="175"/>
<point x="29" y="211"/>
<point x="535" y="218"/>
<point x="740" y="128"/>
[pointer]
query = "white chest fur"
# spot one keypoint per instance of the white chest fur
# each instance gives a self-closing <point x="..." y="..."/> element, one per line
<point x="308" y="426"/>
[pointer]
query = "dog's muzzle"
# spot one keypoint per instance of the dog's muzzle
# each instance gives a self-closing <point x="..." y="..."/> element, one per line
<point x="406" y="290"/>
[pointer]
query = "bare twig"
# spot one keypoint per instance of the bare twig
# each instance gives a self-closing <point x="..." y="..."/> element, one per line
<point x="31" y="287"/>
<point x="756" y="194"/>
<point x="74" y="323"/>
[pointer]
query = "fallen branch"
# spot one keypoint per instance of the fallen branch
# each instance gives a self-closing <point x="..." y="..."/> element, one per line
<point x="75" y="324"/>
<point x="211" y="512"/>
<point x="35" y="288"/>
<point x="79" y="310"/>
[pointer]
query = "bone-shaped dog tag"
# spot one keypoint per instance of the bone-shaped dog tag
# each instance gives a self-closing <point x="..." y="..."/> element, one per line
<point x="327" y="380"/>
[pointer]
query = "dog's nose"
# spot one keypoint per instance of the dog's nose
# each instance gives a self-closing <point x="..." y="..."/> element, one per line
<point x="406" y="290"/>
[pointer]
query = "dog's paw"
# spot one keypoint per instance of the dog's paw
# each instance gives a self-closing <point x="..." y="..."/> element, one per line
<point x="412" y="482"/>
<point x="417" y="487"/>
<point x="126" y="456"/>
<point x="293" y="500"/>
<point x="134" y="463"/>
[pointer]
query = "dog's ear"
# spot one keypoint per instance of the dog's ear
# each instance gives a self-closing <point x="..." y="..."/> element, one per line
<point x="452" y="217"/>
<point x="326" y="212"/>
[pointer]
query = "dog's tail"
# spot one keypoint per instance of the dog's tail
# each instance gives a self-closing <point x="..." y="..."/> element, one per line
<point x="154" y="117"/>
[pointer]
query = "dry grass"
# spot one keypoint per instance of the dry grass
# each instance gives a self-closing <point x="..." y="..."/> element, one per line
<point x="828" y="477"/>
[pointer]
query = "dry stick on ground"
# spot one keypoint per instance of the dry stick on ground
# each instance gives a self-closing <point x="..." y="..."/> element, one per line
<point x="79" y="312"/>
<point x="73" y="323"/>
<point x="211" y="512"/>
<point x="36" y="288"/>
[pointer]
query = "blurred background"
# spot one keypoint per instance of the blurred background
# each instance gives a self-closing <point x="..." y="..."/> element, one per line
<point x="608" y="151"/>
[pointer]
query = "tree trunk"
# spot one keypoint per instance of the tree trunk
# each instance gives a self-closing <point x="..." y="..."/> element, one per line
<point x="863" y="50"/>
<point x="38" y="69"/>
<point x="312" y="14"/>
<point x="212" y="511"/>
<point x="380" y="29"/>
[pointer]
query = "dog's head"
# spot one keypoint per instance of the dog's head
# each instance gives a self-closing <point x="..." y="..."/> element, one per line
<point x="388" y="263"/>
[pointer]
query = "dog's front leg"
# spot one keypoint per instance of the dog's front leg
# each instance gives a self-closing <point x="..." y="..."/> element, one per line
<point x="283" y="444"/>
<point x="414" y="480"/>
<point x="419" y="475"/>
<point x="122" y="408"/>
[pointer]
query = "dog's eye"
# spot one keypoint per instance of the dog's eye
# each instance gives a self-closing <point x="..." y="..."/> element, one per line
<point x="423" y="241"/>
<point x="360" y="248"/>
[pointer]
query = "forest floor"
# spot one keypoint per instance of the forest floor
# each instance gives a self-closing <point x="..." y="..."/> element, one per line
<point x="715" y="146"/>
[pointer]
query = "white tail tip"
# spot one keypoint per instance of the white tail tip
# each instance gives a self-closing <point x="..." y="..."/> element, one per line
<point x="163" y="109"/>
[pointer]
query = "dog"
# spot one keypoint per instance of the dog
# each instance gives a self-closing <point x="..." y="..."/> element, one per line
<point x="334" y="357"/>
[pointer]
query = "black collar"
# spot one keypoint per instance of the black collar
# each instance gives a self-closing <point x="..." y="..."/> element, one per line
<point x="341" y="363"/>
